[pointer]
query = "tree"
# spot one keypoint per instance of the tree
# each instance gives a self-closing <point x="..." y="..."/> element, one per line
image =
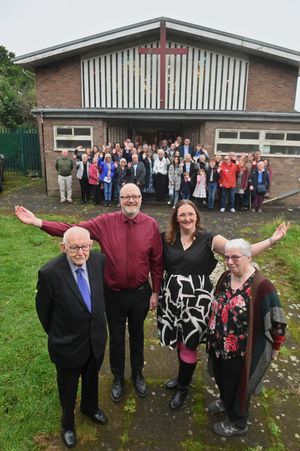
<point x="17" y="92"/>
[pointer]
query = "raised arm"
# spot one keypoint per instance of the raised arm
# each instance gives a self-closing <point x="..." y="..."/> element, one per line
<point x="55" y="228"/>
<point x="219" y="241"/>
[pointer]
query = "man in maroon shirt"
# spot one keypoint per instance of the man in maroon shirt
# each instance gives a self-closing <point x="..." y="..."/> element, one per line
<point x="132" y="245"/>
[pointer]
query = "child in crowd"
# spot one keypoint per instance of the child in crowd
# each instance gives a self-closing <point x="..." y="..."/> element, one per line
<point x="212" y="178"/>
<point x="200" y="188"/>
<point x="186" y="186"/>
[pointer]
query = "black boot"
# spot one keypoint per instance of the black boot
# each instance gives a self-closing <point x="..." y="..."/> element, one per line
<point x="171" y="384"/>
<point x="185" y="374"/>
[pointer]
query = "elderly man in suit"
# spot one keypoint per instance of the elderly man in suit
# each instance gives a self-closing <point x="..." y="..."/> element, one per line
<point x="70" y="306"/>
<point x="137" y="172"/>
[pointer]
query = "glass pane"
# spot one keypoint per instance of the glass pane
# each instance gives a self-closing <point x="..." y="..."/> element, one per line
<point x="237" y="148"/>
<point x="249" y="135"/>
<point x="70" y="144"/>
<point x="285" y="150"/>
<point x="293" y="136"/>
<point x="64" y="131"/>
<point x="82" y="131"/>
<point x="228" y="135"/>
<point x="275" y="136"/>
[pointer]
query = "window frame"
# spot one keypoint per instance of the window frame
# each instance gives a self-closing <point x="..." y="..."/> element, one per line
<point x="71" y="137"/>
<point x="261" y="142"/>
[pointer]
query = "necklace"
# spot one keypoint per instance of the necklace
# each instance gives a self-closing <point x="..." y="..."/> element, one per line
<point x="186" y="243"/>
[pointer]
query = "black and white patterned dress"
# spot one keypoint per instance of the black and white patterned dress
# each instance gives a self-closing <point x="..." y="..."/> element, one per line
<point x="186" y="293"/>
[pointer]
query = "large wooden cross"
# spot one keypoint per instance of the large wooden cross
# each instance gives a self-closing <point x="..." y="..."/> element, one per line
<point x="163" y="51"/>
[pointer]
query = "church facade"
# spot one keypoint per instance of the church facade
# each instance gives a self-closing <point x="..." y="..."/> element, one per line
<point x="163" y="78"/>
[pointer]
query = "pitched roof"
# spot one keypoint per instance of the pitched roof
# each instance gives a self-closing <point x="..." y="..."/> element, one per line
<point x="143" y="29"/>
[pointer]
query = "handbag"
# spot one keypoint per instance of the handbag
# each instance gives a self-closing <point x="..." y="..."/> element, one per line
<point x="261" y="188"/>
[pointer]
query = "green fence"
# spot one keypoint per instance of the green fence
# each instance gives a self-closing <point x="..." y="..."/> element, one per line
<point x="21" y="150"/>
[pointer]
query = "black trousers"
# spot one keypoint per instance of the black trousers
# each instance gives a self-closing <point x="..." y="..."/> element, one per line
<point x="85" y="190"/>
<point x="131" y="306"/>
<point x="161" y="186"/>
<point x="67" y="383"/>
<point x="227" y="373"/>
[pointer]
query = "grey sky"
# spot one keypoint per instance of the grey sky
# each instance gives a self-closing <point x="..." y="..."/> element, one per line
<point x="31" y="25"/>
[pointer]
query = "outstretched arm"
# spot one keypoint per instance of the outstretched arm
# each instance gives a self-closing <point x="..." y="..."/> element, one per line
<point x="257" y="248"/>
<point x="27" y="217"/>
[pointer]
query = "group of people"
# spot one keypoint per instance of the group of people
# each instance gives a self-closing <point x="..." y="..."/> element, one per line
<point x="243" y="324"/>
<point x="171" y="171"/>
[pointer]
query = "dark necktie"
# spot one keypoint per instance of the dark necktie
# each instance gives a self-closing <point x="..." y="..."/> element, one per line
<point x="130" y="255"/>
<point x="84" y="288"/>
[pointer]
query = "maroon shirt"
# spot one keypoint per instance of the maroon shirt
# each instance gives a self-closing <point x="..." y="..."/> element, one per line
<point x="132" y="248"/>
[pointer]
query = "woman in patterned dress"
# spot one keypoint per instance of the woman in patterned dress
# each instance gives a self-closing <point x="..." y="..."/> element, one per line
<point x="185" y="299"/>
<point x="245" y="332"/>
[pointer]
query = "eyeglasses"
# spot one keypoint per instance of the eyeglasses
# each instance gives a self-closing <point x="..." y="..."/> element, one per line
<point x="234" y="258"/>
<point x="75" y="249"/>
<point x="133" y="197"/>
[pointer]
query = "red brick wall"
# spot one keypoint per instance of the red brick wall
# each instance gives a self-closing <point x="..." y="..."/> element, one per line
<point x="59" y="85"/>
<point x="286" y="171"/>
<point x="51" y="155"/>
<point x="271" y="86"/>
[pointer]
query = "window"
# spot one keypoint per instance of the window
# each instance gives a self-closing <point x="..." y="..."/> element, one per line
<point x="69" y="137"/>
<point x="249" y="135"/>
<point x="269" y="142"/>
<point x="277" y="136"/>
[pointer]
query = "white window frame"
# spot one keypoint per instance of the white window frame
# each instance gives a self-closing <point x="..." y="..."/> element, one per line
<point x="260" y="142"/>
<point x="72" y="137"/>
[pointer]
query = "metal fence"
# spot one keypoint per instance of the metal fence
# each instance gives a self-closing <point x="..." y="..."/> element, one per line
<point x="21" y="150"/>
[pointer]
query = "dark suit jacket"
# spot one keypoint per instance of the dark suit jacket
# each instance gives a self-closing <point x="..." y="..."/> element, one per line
<point x="139" y="179"/>
<point x="73" y="332"/>
<point x="181" y="151"/>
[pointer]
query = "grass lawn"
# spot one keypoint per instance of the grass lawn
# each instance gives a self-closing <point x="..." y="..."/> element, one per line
<point x="28" y="395"/>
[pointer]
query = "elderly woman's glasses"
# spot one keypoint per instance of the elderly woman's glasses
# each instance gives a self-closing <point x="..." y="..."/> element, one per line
<point x="234" y="258"/>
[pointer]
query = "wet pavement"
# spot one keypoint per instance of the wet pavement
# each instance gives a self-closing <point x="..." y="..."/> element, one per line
<point x="148" y="424"/>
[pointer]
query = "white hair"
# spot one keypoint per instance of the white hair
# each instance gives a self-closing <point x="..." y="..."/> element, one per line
<point x="74" y="230"/>
<point x="243" y="246"/>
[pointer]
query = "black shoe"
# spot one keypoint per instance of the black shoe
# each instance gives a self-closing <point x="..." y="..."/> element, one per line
<point x="171" y="384"/>
<point x="69" y="438"/>
<point x="117" y="390"/>
<point x="140" y="385"/>
<point x="178" y="398"/>
<point x="98" y="417"/>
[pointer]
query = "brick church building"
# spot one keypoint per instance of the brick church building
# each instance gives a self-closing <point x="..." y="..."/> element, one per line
<point x="162" y="78"/>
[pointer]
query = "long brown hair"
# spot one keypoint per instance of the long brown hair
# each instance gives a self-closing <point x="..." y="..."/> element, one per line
<point x="173" y="226"/>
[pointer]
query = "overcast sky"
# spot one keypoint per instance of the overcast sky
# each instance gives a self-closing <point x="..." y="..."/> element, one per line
<point x="31" y="25"/>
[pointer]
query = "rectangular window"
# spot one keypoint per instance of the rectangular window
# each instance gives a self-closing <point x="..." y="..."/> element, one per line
<point x="293" y="136"/>
<point x="269" y="142"/>
<point x="277" y="136"/>
<point x="228" y="135"/>
<point x="70" y="137"/>
<point x="249" y="135"/>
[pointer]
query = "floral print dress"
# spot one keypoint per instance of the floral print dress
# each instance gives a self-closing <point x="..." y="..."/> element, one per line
<point x="228" y="324"/>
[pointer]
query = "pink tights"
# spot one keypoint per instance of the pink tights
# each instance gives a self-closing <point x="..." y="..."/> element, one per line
<point x="187" y="355"/>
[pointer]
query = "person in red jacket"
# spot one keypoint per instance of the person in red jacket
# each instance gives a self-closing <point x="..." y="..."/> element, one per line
<point x="227" y="182"/>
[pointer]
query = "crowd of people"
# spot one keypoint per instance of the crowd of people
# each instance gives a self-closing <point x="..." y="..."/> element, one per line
<point x="168" y="172"/>
<point x="242" y="324"/>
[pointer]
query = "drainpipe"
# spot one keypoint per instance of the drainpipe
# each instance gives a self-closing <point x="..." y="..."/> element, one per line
<point x="43" y="151"/>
